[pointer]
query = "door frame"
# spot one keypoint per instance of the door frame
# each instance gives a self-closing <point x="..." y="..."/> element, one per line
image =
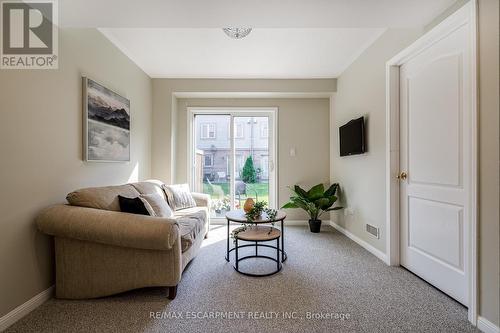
<point x="271" y="111"/>
<point x="466" y="15"/>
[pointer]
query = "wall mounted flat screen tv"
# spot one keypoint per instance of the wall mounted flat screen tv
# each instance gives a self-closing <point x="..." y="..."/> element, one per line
<point x="352" y="137"/>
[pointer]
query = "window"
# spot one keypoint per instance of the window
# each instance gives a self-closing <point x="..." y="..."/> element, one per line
<point x="264" y="165"/>
<point x="208" y="130"/>
<point x="264" y="133"/>
<point x="240" y="162"/>
<point x="239" y="130"/>
<point x="208" y="160"/>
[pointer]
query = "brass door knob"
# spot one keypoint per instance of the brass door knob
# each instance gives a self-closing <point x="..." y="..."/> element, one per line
<point x="402" y="176"/>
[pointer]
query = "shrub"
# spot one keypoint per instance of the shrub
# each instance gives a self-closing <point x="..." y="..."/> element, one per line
<point x="249" y="174"/>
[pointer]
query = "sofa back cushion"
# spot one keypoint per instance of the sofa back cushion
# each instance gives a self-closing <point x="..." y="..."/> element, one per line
<point x="179" y="196"/>
<point x="150" y="187"/>
<point x="105" y="197"/>
<point x="156" y="205"/>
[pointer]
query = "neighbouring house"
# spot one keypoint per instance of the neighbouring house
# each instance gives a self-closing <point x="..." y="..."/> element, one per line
<point x="214" y="144"/>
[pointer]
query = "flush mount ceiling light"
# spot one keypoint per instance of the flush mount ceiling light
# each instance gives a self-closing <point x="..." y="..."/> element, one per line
<point x="237" y="33"/>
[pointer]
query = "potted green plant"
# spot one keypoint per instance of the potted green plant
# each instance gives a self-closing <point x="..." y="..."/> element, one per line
<point x="254" y="213"/>
<point x="316" y="201"/>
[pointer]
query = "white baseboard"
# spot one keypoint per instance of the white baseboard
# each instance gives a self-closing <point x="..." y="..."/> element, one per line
<point x="377" y="253"/>
<point x="25" y="308"/>
<point x="298" y="222"/>
<point x="487" y="326"/>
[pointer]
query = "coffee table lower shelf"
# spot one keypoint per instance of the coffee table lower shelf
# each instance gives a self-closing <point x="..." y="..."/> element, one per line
<point x="257" y="235"/>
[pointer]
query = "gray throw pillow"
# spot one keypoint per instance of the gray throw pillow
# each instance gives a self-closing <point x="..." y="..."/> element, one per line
<point x="156" y="205"/>
<point x="179" y="196"/>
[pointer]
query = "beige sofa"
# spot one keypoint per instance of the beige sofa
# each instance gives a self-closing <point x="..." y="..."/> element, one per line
<point x="101" y="251"/>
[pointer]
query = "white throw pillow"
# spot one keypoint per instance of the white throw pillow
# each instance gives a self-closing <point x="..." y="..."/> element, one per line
<point x="179" y="196"/>
<point x="156" y="205"/>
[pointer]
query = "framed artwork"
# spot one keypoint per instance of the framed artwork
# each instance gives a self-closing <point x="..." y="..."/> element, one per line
<point x="106" y="124"/>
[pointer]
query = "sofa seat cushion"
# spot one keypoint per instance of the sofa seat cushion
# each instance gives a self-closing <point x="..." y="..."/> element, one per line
<point x="191" y="223"/>
<point x="198" y="211"/>
<point x="105" y="197"/>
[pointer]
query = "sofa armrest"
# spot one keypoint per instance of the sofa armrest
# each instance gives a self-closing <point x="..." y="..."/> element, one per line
<point x="109" y="227"/>
<point x="201" y="199"/>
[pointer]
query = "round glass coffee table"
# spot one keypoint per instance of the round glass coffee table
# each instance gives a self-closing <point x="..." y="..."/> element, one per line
<point x="238" y="216"/>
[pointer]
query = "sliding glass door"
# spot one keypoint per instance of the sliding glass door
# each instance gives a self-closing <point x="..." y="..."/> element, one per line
<point x="212" y="160"/>
<point x="251" y="145"/>
<point x="232" y="156"/>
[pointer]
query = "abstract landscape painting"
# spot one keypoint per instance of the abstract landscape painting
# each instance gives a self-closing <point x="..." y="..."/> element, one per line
<point x="106" y="124"/>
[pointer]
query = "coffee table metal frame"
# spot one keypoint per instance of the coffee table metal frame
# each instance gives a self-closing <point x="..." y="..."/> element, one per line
<point x="237" y="259"/>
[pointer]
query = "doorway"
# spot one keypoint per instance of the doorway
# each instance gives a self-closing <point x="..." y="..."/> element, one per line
<point x="232" y="156"/>
<point x="432" y="158"/>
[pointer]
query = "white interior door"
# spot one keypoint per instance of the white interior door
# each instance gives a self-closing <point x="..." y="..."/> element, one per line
<point x="435" y="141"/>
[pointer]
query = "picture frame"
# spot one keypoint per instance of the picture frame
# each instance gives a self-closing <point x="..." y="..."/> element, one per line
<point x="106" y="124"/>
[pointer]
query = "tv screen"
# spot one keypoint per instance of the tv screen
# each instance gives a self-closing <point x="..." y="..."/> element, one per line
<point x="352" y="137"/>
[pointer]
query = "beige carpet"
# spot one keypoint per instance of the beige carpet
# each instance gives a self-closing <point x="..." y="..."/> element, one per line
<point x="328" y="284"/>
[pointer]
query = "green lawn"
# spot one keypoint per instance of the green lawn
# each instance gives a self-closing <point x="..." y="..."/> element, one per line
<point x="261" y="190"/>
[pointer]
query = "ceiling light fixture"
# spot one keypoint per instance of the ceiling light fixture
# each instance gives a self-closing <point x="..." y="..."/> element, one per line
<point x="237" y="33"/>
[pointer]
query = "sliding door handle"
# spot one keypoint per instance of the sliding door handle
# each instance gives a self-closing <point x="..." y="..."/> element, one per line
<point x="271" y="165"/>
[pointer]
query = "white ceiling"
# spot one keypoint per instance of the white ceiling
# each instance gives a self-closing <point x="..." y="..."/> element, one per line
<point x="254" y="13"/>
<point x="264" y="53"/>
<point x="290" y="39"/>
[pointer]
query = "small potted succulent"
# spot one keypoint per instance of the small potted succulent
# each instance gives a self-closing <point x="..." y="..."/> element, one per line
<point x="316" y="201"/>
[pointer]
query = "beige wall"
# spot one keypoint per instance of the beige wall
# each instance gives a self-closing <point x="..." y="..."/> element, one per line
<point x="40" y="131"/>
<point x="366" y="193"/>
<point x="361" y="92"/>
<point x="302" y="124"/>
<point x="489" y="173"/>
<point x="41" y="150"/>
<point x="165" y="108"/>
